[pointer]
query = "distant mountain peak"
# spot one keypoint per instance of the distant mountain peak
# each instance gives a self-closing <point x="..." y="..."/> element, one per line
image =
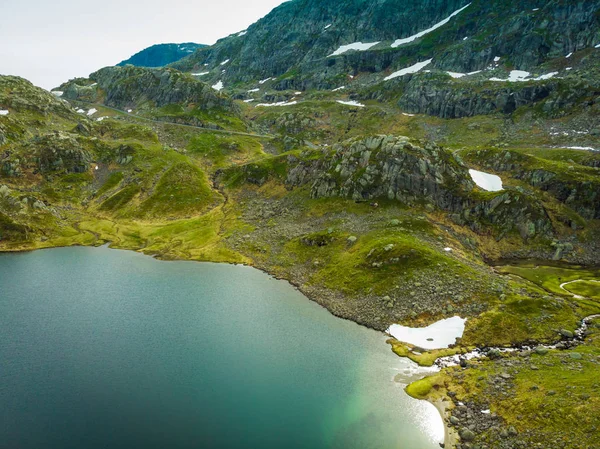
<point x="161" y="55"/>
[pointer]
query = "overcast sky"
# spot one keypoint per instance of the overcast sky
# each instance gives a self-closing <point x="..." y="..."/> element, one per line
<point x="51" y="41"/>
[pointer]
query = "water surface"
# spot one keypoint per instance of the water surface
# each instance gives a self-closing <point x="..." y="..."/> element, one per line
<point x="111" y="349"/>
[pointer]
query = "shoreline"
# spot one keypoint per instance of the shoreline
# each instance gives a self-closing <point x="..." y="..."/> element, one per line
<point x="450" y="435"/>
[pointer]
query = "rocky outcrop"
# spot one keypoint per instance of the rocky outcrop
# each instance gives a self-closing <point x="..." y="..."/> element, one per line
<point x="443" y="98"/>
<point x="394" y="168"/>
<point x="61" y="152"/>
<point x="125" y="87"/>
<point x="388" y="167"/>
<point x="575" y="187"/>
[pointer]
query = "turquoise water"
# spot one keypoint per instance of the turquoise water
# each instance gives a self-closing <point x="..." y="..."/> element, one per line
<point x="112" y="349"/>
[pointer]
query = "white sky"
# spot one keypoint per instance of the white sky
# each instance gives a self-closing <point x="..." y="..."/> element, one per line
<point x="51" y="41"/>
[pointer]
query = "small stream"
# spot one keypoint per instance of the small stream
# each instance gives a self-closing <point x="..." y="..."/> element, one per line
<point x="457" y="359"/>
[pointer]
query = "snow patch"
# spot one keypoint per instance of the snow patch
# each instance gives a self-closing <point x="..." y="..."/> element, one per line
<point x="358" y="46"/>
<point x="81" y="111"/>
<point x="456" y="74"/>
<point x="339" y="88"/>
<point x="253" y="90"/>
<point x="225" y="62"/>
<point x="327" y="26"/>
<point x="57" y="93"/>
<point x="486" y="181"/>
<point x="547" y="76"/>
<point x="242" y="33"/>
<point x="408" y="70"/>
<point x="569" y="55"/>
<point x="281" y="103"/>
<point x="265" y="80"/>
<point x="200" y="74"/>
<point x="351" y="103"/>
<point x="92" y="111"/>
<point x="249" y="101"/>
<point x="521" y="75"/>
<point x="407" y="114"/>
<point x="436" y="336"/>
<point x="129" y="111"/>
<point x="581" y="148"/>
<point x="297" y="93"/>
<point x="218" y="87"/>
<point x="3" y="112"/>
<point x="99" y="119"/>
<point x="414" y="37"/>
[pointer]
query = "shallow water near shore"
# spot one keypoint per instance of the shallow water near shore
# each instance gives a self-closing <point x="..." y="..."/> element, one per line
<point x="104" y="348"/>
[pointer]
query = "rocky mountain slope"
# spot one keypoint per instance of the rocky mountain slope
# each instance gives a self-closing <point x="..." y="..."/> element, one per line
<point x="161" y="55"/>
<point x="385" y="49"/>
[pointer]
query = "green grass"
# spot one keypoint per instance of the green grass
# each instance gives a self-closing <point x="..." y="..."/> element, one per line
<point x="114" y="179"/>
<point x="550" y="277"/>
<point x="120" y="199"/>
<point x="587" y="289"/>
<point x="222" y="149"/>
<point x="183" y="190"/>
<point x="424" y="388"/>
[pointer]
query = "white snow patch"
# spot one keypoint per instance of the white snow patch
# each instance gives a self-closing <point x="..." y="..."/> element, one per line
<point x="487" y="181"/>
<point x="264" y="81"/>
<point x="408" y="115"/>
<point x="225" y="62"/>
<point x="465" y="38"/>
<point x="339" y="88"/>
<point x="93" y="85"/>
<point x="456" y="74"/>
<point x="547" y="76"/>
<point x="99" y="119"/>
<point x="497" y="59"/>
<point x="242" y="33"/>
<point x="96" y="168"/>
<point x="535" y="9"/>
<point x="581" y="148"/>
<point x="281" y="103"/>
<point x="92" y="111"/>
<point x="569" y="55"/>
<point x="3" y="112"/>
<point x="448" y="250"/>
<point x="485" y="412"/>
<point x="219" y="86"/>
<point x="597" y="46"/>
<point x="351" y="103"/>
<point x="327" y="26"/>
<point x="129" y="111"/>
<point x="200" y="74"/>
<point x="57" y="93"/>
<point x="408" y="70"/>
<point x="414" y="37"/>
<point x="515" y="75"/>
<point x="358" y="46"/>
<point x="253" y="90"/>
<point x="249" y="101"/>
<point x="436" y="336"/>
<point x="520" y="76"/>
<point x="81" y="111"/>
<point x="297" y="93"/>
